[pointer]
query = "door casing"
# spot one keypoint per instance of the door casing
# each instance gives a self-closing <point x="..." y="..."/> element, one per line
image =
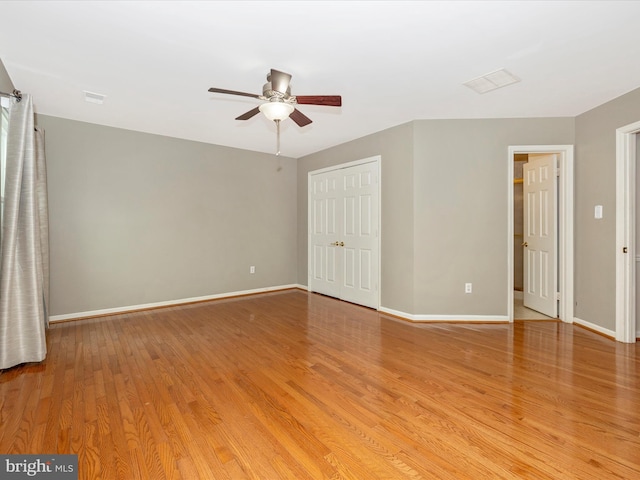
<point x="565" y="225"/>
<point x="626" y="232"/>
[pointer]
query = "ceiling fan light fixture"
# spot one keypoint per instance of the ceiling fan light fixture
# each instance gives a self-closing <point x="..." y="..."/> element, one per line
<point x="276" y="110"/>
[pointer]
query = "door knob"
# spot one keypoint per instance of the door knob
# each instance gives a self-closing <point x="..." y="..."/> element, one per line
<point x="525" y="244"/>
<point x="334" y="244"/>
<point x="341" y="244"/>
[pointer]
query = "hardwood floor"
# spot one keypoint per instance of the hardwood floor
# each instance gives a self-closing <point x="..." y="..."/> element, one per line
<point x="291" y="385"/>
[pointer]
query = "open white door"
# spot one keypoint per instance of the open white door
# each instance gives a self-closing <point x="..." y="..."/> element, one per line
<point x="541" y="234"/>
<point x="344" y="232"/>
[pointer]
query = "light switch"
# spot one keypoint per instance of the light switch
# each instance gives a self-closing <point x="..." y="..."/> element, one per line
<point x="598" y="212"/>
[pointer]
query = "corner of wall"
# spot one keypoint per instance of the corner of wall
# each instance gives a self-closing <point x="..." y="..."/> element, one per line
<point x="6" y="85"/>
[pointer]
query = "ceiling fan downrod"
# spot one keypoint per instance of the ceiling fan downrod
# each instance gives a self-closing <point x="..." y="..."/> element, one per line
<point x="277" y="136"/>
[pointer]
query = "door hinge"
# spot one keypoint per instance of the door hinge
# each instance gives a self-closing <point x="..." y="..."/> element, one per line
<point x="558" y="296"/>
<point x="557" y="172"/>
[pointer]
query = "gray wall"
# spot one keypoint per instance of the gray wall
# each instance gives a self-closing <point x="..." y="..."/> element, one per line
<point x="138" y="218"/>
<point x="444" y="209"/>
<point x="461" y="188"/>
<point x="6" y="85"/>
<point x="596" y="185"/>
<point x="395" y="146"/>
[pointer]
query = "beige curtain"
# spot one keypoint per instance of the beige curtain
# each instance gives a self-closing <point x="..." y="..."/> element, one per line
<point x="24" y="248"/>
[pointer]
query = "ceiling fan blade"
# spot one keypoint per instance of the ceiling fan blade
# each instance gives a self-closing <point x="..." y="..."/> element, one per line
<point x="233" y="92"/>
<point x="249" y="114"/>
<point x="279" y="81"/>
<point x="326" y="100"/>
<point x="300" y="118"/>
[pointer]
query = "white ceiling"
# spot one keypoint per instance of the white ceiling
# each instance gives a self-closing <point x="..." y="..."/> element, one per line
<point x="392" y="62"/>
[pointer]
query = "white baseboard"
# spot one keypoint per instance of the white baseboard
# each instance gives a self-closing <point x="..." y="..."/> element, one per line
<point x="170" y="303"/>
<point x="594" y="327"/>
<point x="446" y="318"/>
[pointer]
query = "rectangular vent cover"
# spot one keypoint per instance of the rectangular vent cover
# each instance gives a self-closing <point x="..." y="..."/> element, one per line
<point x="492" y="81"/>
<point x="92" y="97"/>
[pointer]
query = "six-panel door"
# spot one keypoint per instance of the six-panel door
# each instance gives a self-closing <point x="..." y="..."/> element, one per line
<point x="343" y="233"/>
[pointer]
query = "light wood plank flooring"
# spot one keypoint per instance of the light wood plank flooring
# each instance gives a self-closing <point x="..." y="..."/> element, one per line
<point x="291" y="385"/>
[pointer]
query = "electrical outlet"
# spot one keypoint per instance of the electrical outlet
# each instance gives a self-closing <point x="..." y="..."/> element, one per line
<point x="252" y="269"/>
<point x="468" y="287"/>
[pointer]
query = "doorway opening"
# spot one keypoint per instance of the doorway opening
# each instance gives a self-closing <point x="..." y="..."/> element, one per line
<point x="564" y="247"/>
<point x="524" y="284"/>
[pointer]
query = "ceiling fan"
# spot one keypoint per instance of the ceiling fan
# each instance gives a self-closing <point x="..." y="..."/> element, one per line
<point x="279" y="104"/>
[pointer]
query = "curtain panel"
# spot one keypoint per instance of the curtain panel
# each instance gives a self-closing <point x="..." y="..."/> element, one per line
<point x="24" y="245"/>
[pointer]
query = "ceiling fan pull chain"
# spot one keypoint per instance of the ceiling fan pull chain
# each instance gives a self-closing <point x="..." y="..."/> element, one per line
<point x="277" y="137"/>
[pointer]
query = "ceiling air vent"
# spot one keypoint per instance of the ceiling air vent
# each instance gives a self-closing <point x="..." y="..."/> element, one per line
<point x="492" y="81"/>
<point x="92" y="97"/>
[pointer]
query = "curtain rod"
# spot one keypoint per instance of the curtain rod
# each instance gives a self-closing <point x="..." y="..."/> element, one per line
<point x="16" y="94"/>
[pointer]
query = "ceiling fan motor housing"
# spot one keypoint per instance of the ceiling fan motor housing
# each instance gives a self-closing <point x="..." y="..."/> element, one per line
<point x="268" y="92"/>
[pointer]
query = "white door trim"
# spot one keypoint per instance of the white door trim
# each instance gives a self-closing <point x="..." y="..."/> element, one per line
<point x="626" y="232"/>
<point x="565" y="225"/>
<point x="377" y="159"/>
<point x="346" y="165"/>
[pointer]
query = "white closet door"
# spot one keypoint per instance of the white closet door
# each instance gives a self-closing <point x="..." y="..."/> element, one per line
<point x="344" y="233"/>
<point x="324" y="223"/>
